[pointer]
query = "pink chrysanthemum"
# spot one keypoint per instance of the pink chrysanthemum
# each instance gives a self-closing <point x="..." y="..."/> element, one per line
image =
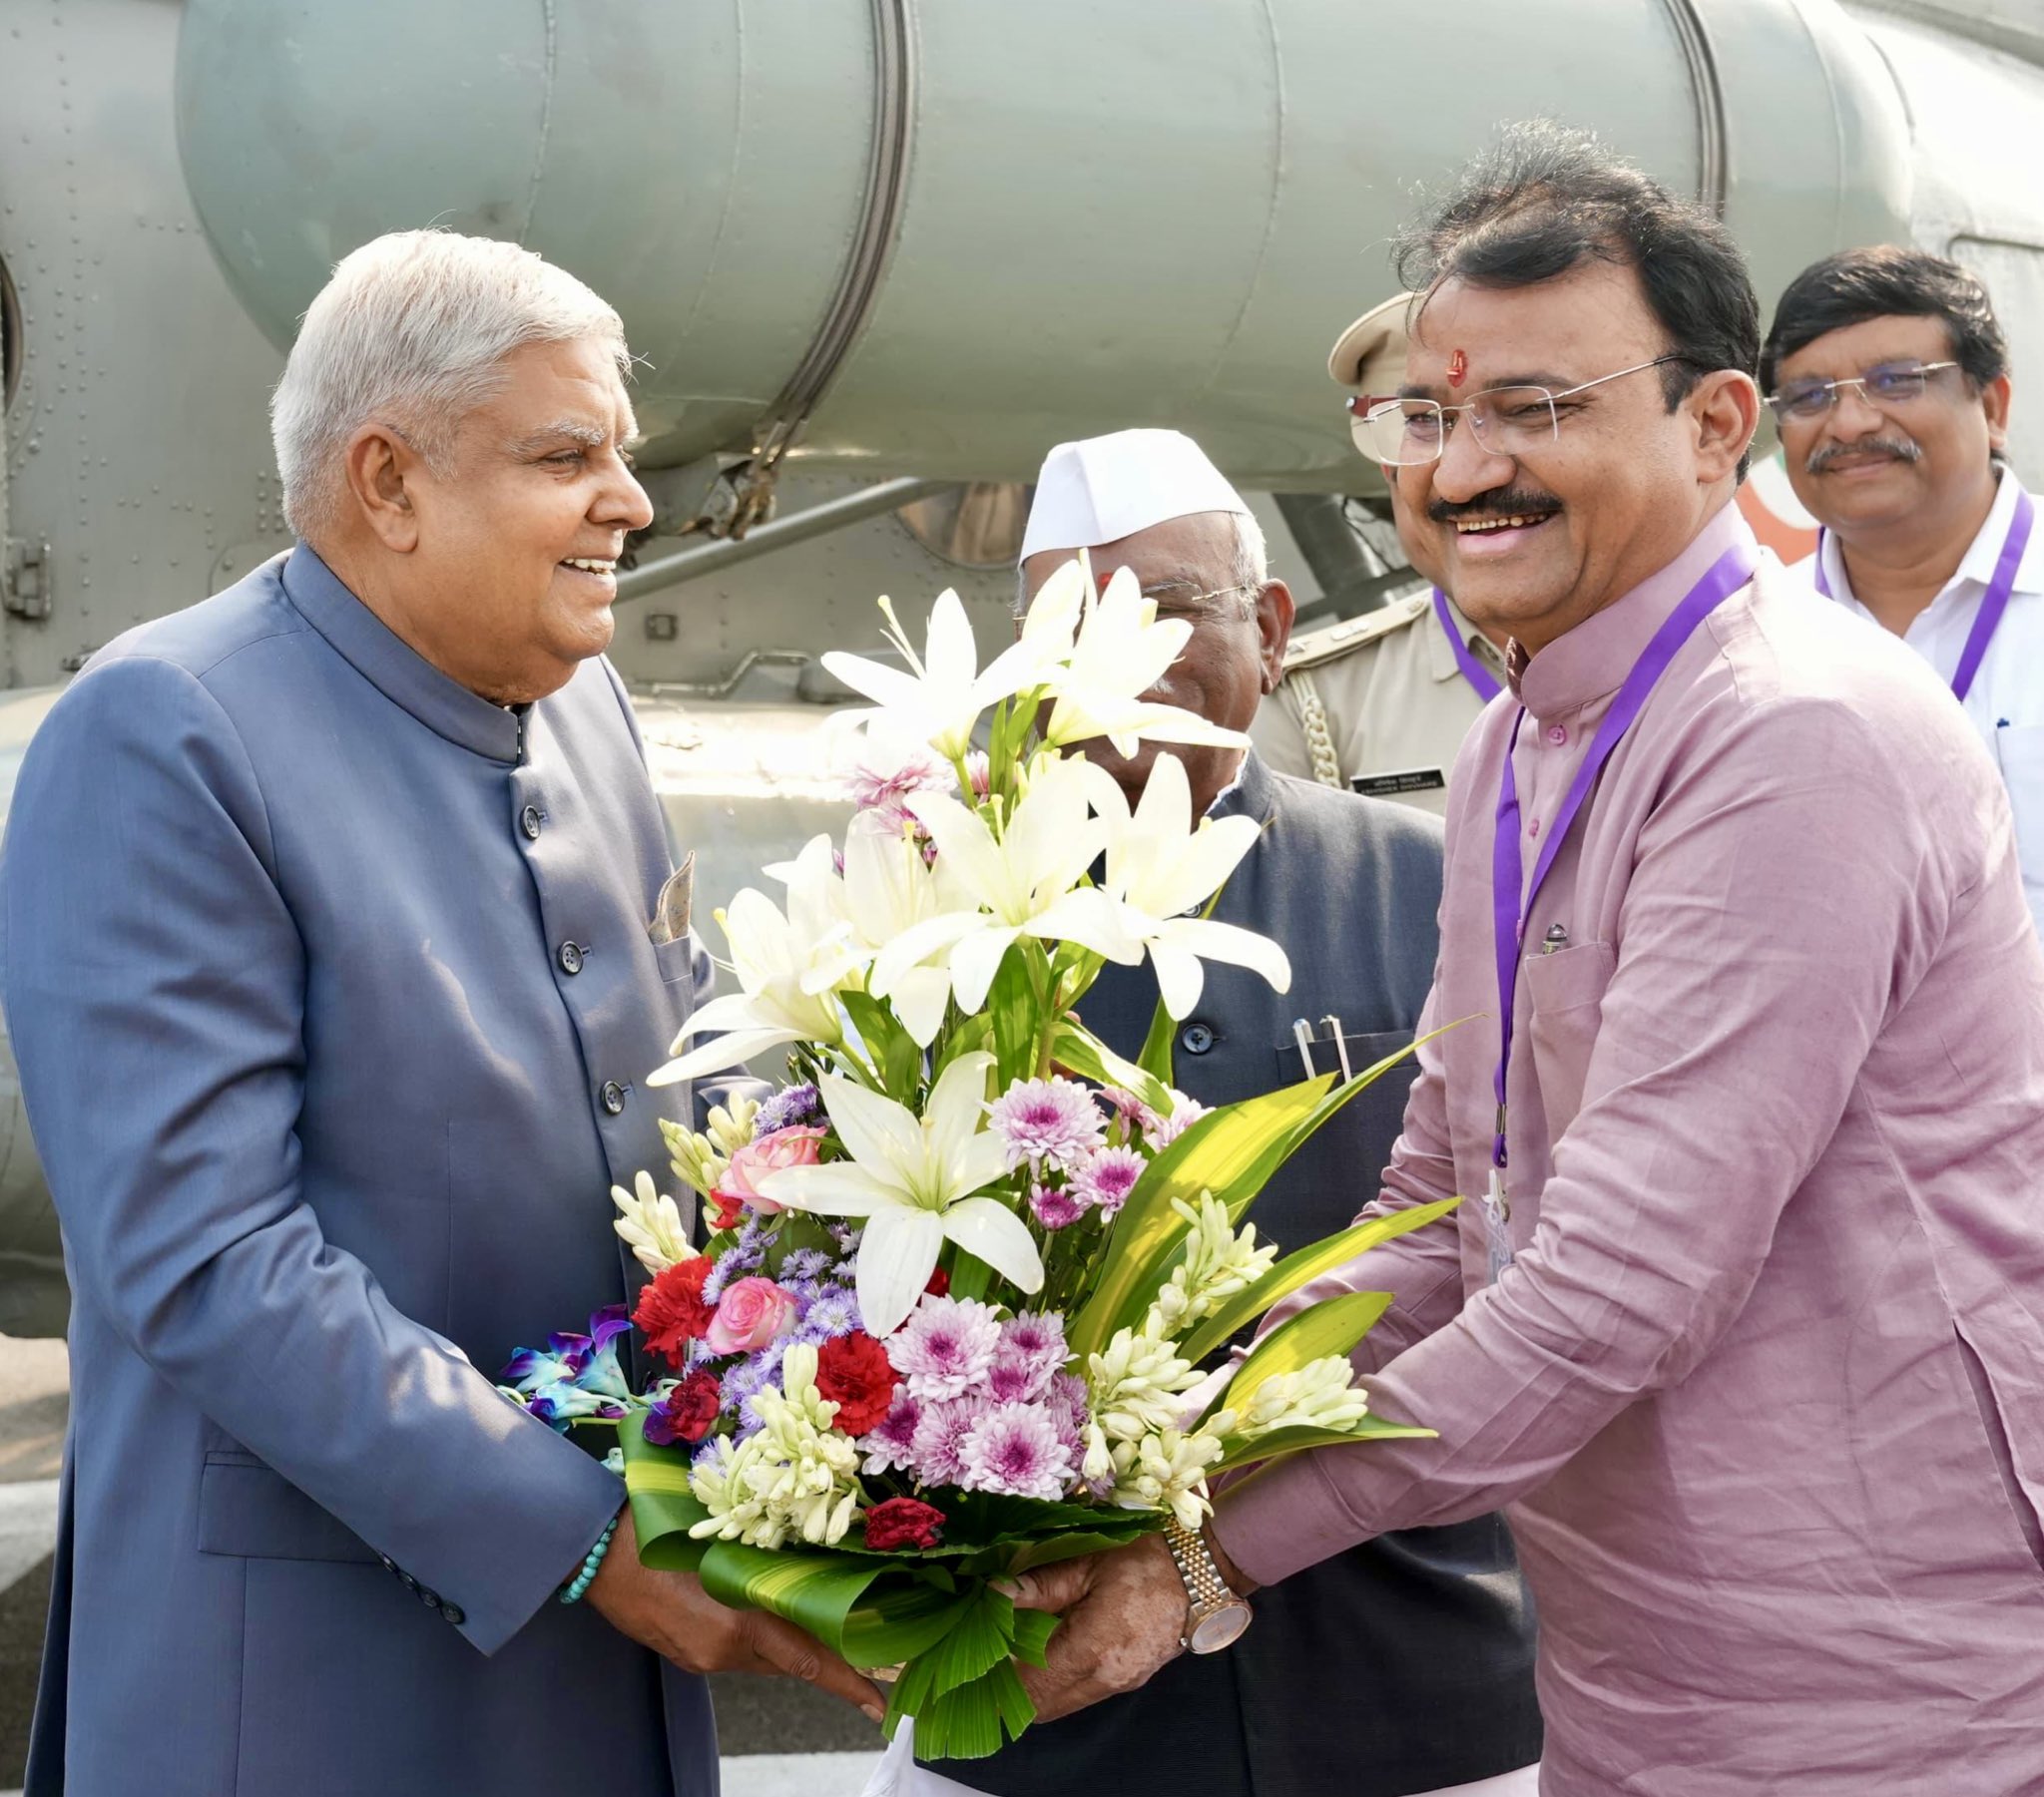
<point x="945" y="1347"/>
<point x="891" y="1442"/>
<point x="1125" y="1104"/>
<point x="1052" y="1120"/>
<point x="1015" y="1449"/>
<point x="1160" y="1131"/>
<point x="880" y="781"/>
<point x="1066" y="1402"/>
<point x="939" y="1442"/>
<point x="1105" y="1181"/>
<point x="1035" y="1342"/>
<point x="1054" y="1207"/>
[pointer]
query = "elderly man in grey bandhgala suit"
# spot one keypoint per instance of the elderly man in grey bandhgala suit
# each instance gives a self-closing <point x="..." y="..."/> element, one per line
<point x="327" y="961"/>
<point x="1426" y="1635"/>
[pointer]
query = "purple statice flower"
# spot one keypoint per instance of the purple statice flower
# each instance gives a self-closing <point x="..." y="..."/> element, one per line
<point x="788" y="1107"/>
<point x="1015" y="1449"/>
<point x="939" y="1445"/>
<point x="890" y="1444"/>
<point x="746" y="1253"/>
<point x="1159" y="1133"/>
<point x="1105" y="1181"/>
<point x="804" y="1264"/>
<point x="945" y="1347"/>
<point x="1054" y="1206"/>
<point x="1035" y="1343"/>
<point x="835" y="1312"/>
<point x="1052" y="1120"/>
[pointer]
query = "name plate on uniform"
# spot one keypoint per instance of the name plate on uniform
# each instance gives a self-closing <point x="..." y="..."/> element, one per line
<point x="1405" y="780"/>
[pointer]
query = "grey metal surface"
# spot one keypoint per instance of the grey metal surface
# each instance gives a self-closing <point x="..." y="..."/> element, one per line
<point x="1155" y="212"/>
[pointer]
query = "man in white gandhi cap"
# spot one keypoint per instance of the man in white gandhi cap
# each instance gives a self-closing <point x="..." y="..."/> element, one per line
<point x="1433" y="1626"/>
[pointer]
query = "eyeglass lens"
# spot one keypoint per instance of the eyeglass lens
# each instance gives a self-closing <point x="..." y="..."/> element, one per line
<point x="1896" y="384"/>
<point x="1507" y="421"/>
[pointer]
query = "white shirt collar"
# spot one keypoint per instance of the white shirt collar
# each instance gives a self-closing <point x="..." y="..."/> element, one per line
<point x="1976" y="567"/>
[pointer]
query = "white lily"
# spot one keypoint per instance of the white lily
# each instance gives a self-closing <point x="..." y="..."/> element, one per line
<point x="1019" y="884"/>
<point x="1158" y="868"/>
<point x="940" y="701"/>
<point x="787" y="966"/>
<point x="889" y="889"/>
<point x="1101" y="654"/>
<point x="913" y="1178"/>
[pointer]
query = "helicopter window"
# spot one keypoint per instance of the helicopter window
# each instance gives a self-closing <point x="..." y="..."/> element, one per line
<point x="10" y="337"/>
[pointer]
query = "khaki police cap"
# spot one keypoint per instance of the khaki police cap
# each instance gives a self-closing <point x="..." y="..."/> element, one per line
<point x="1370" y="356"/>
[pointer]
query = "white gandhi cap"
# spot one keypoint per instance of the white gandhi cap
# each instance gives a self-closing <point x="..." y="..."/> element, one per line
<point x="1106" y="488"/>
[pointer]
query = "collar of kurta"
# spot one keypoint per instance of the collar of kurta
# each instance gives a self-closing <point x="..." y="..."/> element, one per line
<point x="393" y="666"/>
<point x="1591" y="661"/>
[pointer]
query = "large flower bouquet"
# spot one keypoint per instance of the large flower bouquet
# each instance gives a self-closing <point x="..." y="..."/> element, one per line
<point x="965" y="1272"/>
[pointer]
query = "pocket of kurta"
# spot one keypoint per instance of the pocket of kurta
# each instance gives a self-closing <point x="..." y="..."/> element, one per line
<point x="1567" y="989"/>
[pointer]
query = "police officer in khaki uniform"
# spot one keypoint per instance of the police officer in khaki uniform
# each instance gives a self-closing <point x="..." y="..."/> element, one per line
<point x="1380" y="703"/>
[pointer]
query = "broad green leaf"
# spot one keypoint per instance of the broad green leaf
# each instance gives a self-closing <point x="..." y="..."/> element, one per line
<point x="1298" y="1269"/>
<point x="979" y="1638"/>
<point x="889" y="1044"/>
<point x="970" y="1275"/>
<point x="1085" y="1054"/>
<point x="1079" y="1542"/>
<point x="1332" y="1326"/>
<point x="1231" y="1149"/>
<point x="664" y="1509"/>
<point x="1154" y="1059"/>
<point x="896" y="1620"/>
<point x="1011" y="1004"/>
<point x="968" y="1723"/>
<point x="1235" y="1452"/>
<point x="811" y="1587"/>
<point x="1033" y="1629"/>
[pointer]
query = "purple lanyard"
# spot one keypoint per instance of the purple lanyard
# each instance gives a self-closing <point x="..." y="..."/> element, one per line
<point x="1473" y="670"/>
<point x="1509" y="911"/>
<point x="1993" y="602"/>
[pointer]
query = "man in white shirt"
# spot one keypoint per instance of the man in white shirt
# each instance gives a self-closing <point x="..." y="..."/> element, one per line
<point x="1889" y="377"/>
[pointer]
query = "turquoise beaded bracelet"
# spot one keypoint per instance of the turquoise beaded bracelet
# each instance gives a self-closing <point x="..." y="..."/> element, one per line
<point x="581" y="1582"/>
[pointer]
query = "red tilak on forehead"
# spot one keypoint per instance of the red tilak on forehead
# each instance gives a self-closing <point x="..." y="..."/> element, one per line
<point x="1458" y="366"/>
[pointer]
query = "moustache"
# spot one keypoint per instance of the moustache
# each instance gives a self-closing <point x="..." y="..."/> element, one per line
<point x="1899" y="449"/>
<point x="1503" y="501"/>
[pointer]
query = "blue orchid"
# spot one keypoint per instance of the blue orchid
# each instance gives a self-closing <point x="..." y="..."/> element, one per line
<point x="575" y="1375"/>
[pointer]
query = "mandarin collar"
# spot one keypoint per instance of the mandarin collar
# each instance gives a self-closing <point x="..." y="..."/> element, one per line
<point x="393" y="666"/>
<point x="1591" y="661"/>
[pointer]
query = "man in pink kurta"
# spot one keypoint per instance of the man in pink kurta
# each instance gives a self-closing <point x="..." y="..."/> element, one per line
<point x="1754" y="1348"/>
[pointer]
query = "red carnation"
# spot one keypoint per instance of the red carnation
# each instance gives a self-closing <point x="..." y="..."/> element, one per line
<point x="729" y="1209"/>
<point x="671" y="1310"/>
<point x="854" y="1373"/>
<point x="903" y="1522"/>
<point x="687" y="1413"/>
<point x="940" y="1281"/>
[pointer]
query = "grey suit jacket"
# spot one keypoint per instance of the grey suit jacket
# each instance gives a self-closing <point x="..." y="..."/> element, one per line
<point x="1407" y="1663"/>
<point x="330" y="1111"/>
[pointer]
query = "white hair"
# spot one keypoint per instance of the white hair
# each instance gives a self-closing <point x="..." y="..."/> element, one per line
<point x="411" y="331"/>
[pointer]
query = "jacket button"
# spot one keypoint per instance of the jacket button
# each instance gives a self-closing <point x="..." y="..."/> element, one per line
<point x="571" y="958"/>
<point x="432" y="1600"/>
<point x="530" y="820"/>
<point x="386" y="1563"/>
<point x="1196" y="1038"/>
<point x="613" y="1096"/>
<point x="454" y="1614"/>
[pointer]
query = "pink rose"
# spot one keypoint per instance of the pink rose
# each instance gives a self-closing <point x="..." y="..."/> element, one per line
<point x="795" y="1147"/>
<point x="750" y="1316"/>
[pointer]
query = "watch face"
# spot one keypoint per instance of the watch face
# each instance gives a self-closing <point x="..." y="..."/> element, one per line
<point x="1219" y="1628"/>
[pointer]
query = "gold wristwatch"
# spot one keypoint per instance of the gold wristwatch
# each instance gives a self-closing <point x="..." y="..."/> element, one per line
<point x="1215" y="1616"/>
